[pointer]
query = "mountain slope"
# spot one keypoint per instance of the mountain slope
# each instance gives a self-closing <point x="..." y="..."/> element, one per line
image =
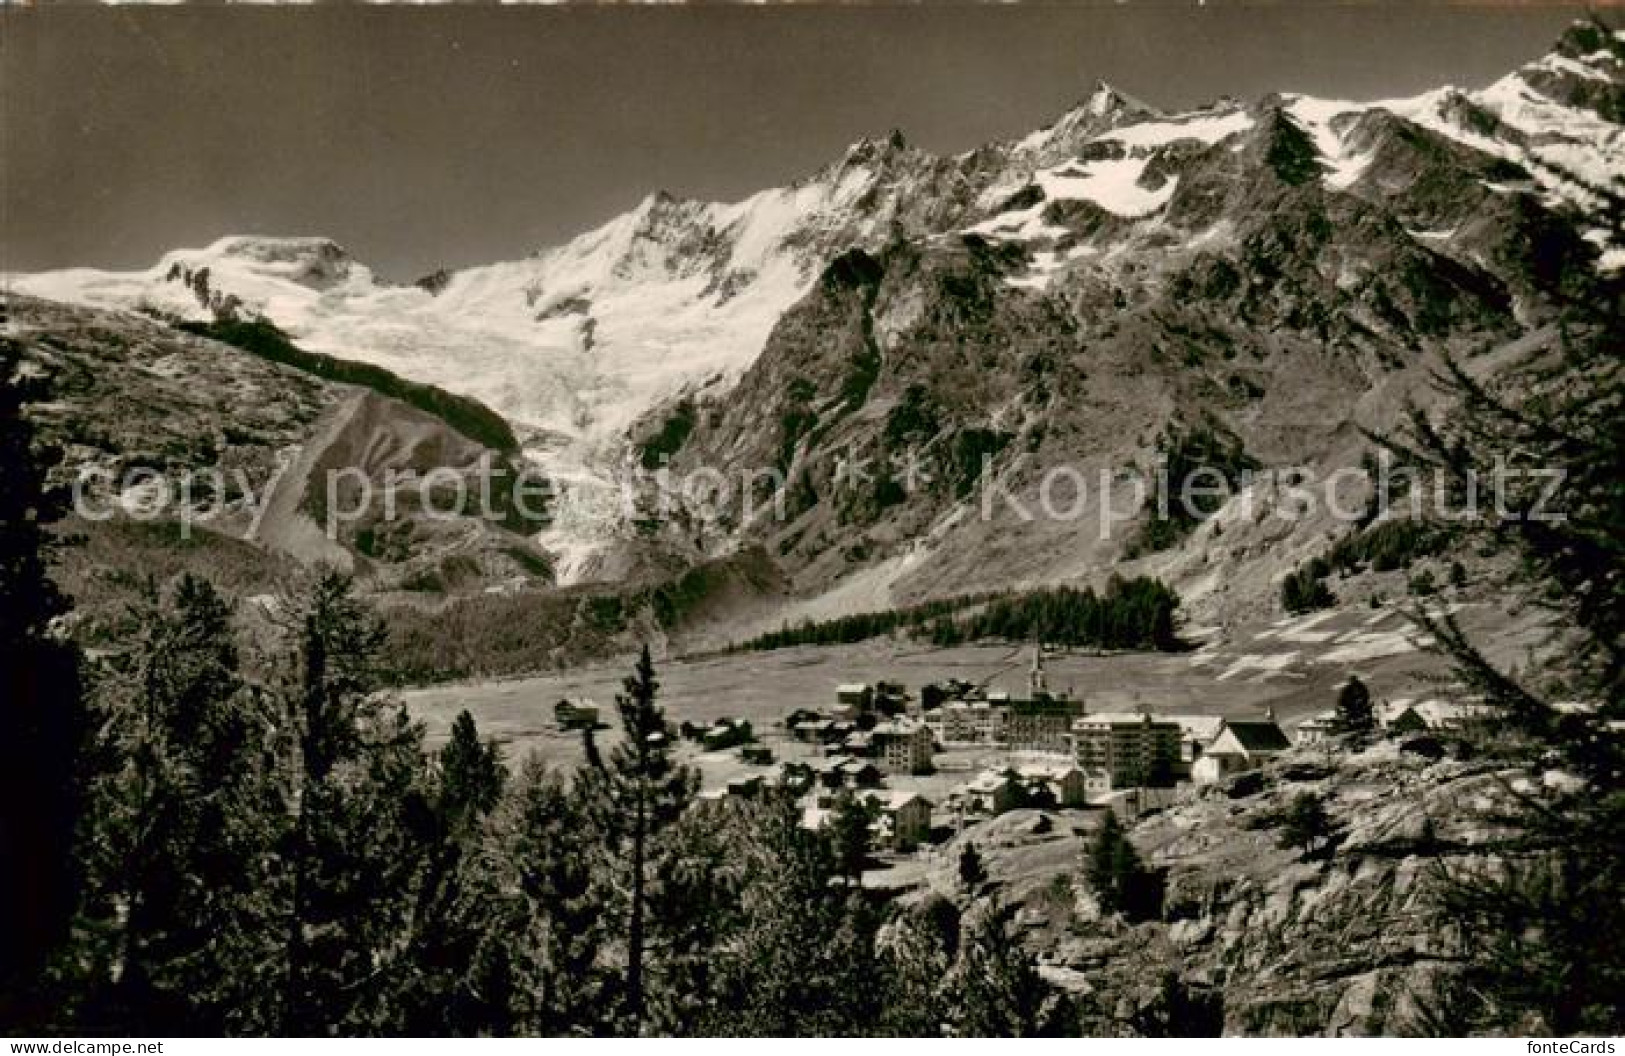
<point x="1278" y="274"/>
<point x="187" y="452"/>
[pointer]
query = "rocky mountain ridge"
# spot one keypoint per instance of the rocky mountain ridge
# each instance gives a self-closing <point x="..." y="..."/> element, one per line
<point x="187" y="453"/>
<point x="1280" y="275"/>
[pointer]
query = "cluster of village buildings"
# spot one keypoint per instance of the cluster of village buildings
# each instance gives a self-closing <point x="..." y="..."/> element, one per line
<point x="1059" y="754"/>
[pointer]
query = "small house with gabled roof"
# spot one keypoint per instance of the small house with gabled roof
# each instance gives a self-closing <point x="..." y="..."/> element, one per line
<point x="1241" y="744"/>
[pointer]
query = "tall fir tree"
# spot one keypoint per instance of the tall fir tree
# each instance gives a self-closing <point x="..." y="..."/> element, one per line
<point x="1355" y="713"/>
<point x="42" y="716"/>
<point x="176" y="846"/>
<point x="1114" y="871"/>
<point x="804" y="960"/>
<point x="358" y="820"/>
<point x="547" y="955"/>
<point x="1544" y="955"/>
<point x="995" y="992"/>
<point x="453" y="907"/>
<point x="694" y="897"/>
<point x="851" y="833"/>
<point x="635" y="793"/>
<point x="919" y="950"/>
<point x="972" y="871"/>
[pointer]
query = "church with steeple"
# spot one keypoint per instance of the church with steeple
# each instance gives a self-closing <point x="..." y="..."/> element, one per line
<point x="1043" y="721"/>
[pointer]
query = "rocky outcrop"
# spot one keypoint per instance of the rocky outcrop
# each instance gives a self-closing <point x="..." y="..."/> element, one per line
<point x="387" y="490"/>
<point x="165" y="427"/>
<point x="1341" y="939"/>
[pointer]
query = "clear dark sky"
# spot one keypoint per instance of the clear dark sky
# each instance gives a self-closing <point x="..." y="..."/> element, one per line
<point x="419" y="137"/>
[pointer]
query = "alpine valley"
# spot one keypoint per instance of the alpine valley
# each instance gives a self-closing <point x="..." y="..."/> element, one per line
<point x="1278" y="276"/>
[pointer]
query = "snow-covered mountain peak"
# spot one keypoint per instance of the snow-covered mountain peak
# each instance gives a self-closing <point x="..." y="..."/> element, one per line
<point x="1103" y="109"/>
<point x="1106" y="100"/>
<point x="876" y="150"/>
<point x="581" y="341"/>
<point x="267" y="249"/>
<point x="1590" y="41"/>
<point x="312" y="261"/>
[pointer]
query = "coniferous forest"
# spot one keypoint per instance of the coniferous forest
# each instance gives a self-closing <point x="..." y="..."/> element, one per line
<point x="1130" y="614"/>
<point x="204" y="835"/>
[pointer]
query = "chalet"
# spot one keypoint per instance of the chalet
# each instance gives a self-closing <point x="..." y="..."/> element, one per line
<point x="801" y="715"/>
<point x="1404" y="715"/>
<point x="1242" y="744"/>
<point x="726" y="733"/>
<point x="810" y="730"/>
<point x="902" y="746"/>
<point x="859" y="773"/>
<point x="1063" y="784"/>
<point x="1195" y="733"/>
<point x="908" y="817"/>
<point x="853" y="699"/>
<point x="891" y="698"/>
<point x="1130" y="803"/>
<point x="1317" y="728"/>
<point x="1405" y="719"/>
<point x="860" y="744"/>
<point x="840" y="772"/>
<point x="839" y="730"/>
<point x="993" y="792"/>
<point x="576" y="714"/>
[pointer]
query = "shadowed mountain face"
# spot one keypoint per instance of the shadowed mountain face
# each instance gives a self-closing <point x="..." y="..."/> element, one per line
<point x="1283" y="275"/>
<point x="869" y="349"/>
<point x="188" y="453"/>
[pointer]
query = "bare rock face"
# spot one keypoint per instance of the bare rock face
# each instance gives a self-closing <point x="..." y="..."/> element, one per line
<point x="933" y="368"/>
<point x="386" y="489"/>
<point x="164" y="428"/>
<point x="129" y="393"/>
<point x="1339" y="939"/>
<point x="1590" y="48"/>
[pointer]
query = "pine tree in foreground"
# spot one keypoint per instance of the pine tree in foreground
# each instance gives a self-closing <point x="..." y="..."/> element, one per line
<point x="1545" y="953"/>
<point x="995" y="990"/>
<point x="42" y="718"/>
<point x="803" y="958"/>
<point x="175" y="847"/>
<point x="635" y="793"/>
<point x="357" y="812"/>
<point x="543" y="960"/>
<point x="454" y="901"/>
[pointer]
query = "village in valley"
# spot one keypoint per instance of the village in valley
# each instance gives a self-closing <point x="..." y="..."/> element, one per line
<point x="930" y="766"/>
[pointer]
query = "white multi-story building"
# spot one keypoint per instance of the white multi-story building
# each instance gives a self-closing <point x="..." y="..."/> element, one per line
<point x="972" y="721"/>
<point x="1133" y="750"/>
<point x="902" y="746"/>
